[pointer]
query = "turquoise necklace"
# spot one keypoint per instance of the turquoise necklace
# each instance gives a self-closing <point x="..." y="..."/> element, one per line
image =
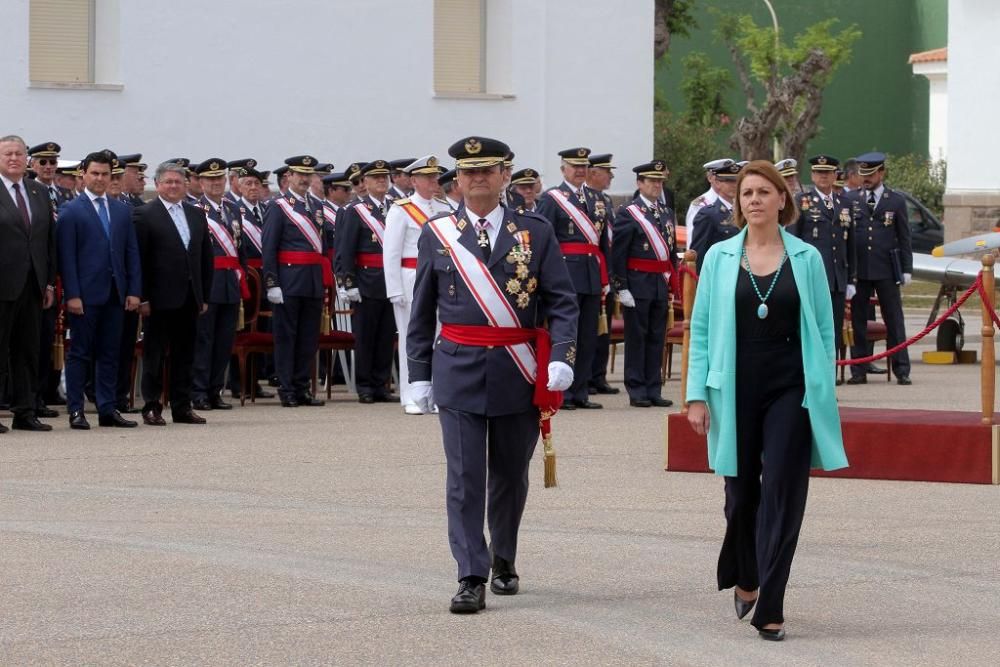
<point x="762" y="308"/>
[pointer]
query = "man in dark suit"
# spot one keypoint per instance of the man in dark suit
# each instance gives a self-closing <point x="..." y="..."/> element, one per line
<point x="27" y="277"/>
<point x="101" y="278"/>
<point x="176" y="257"/>
<point x="489" y="265"/>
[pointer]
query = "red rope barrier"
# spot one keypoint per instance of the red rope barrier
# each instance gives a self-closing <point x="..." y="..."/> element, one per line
<point x="976" y="287"/>
<point x="993" y="313"/>
<point x="687" y="270"/>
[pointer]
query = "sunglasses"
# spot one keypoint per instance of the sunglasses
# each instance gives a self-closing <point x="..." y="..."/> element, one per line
<point x="46" y="161"/>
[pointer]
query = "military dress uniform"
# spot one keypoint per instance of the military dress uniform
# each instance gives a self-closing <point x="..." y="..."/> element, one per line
<point x="603" y="211"/>
<point x="403" y="224"/>
<point x="704" y="199"/>
<point x="489" y="421"/>
<point x="717" y="217"/>
<point x="294" y="261"/>
<point x="360" y="265"/>
<point x="216" y="329"/>
<point x="636" y="267"/>
<point x="826" y="223"/>
<point x="884" y="259"/>
<point x="586" y="260"/>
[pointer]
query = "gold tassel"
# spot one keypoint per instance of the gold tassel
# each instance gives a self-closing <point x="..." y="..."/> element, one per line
<point x="550" y="451"/>
<point x="324" y="325"/>
<point x="602" y="319"/>
<point x="670" y="313"/>
<point x="241" y="318"/>
<point x="847" y="334"/>
<point x="58" y="354"/>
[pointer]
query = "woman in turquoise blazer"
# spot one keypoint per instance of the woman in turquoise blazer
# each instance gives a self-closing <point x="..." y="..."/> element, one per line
<point x="761" y="385"/>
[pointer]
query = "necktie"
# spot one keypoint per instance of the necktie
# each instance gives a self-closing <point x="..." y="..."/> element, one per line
<point x="871" y="201"/>
<point x="22" y="206"/>
<point x="256" y="216"/>
<point x="102" y="213"/>
<point x="180" y="222"/>
<point x="483" y="238"/>
<point x="53" y="194"/>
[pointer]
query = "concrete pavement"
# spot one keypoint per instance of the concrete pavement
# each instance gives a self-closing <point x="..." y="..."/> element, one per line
<point x="317" y="536"/>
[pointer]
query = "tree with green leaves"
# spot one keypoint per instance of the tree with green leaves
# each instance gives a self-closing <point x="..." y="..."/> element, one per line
<point x="672" y="17"/>
<point x="783" y="83"/>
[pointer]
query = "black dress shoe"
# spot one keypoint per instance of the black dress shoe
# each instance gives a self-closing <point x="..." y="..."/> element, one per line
<point x="839" y="382"/>
<point x="189" y="417"/>
<point x="587" y="405"/>
<point x="45" y="412"/>
<point x="273" y="381"/>
<point x="219" y="404"/>
<point x="470" y="598"/>
<point x="126" y="410"/>
<point x="905" y="380"/>
<point x="743" y="607"/>
<point x="772" y="635"/>
<point x="153" y="418"/>
<point x="367" y="399"/>
<point x="289" y="403"/>
<point x="568" y="405"/>
<point x="260" y="392"/>
<point x="78" y="421"/>
<point x="639" y="403"/>
<point x="3" y="429"/>
<point x="201" y="404"/>
<point x="504" y="580"/>
<point x="607" y="389"/>
<point x="115" y="419"/>
<point x="876" y="370"/>
<point x="857" y="379"/>
<point x="660" y="402"/>
<point x="385" y="398"/>
<point x="310" y="401"/>
<point x="29" y="424"/>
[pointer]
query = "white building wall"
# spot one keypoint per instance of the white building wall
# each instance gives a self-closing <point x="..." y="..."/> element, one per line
<point x="342" y="80"/>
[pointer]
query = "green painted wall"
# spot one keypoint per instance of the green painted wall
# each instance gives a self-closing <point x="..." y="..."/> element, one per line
<point x="873" y="102"/>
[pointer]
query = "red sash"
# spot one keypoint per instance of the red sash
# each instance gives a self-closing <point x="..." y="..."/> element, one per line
<point x="487" y="336"/>
<point x="369" y="260"/>
<point x="256" y="264"/>
<point x="298" y="257"/>
<point x="588" y="249"/>
<point x="409" y="263"/>
<point x="233" y="263"/>
<point x="415" y="212"/>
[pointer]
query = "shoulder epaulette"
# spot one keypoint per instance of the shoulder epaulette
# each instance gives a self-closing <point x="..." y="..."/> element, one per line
<point x="400" y="202"/>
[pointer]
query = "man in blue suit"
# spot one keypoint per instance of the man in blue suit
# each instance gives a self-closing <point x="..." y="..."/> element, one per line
<point x="101" y="277"/>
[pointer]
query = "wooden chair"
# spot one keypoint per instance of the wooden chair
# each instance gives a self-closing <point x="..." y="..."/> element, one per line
<point x="674" y="336"/>
<point x="249" y="341"/>
<point x="339" y="340"/>
<point x="616" y="337"/>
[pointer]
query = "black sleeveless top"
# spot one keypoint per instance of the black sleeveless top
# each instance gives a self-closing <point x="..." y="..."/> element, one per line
<point x="783" y="305"/>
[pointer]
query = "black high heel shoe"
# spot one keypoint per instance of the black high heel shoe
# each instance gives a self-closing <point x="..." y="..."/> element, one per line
<point x="742" y="606"/>
<point x="772" y="635"/>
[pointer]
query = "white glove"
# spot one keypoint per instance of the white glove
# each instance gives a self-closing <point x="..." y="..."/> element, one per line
<point x="560" y="376"/>
<point x="342" y="294"/>
<point x="398" y="300"/>
<point x="274" y="295"/>
<point x="606" y="290"/>
<point x="354" y="294"/>
<point x="626" y="299"/>
<point x="907" y="279"/>
<point x="851" y="291"/>
<point x="420" y="392"/>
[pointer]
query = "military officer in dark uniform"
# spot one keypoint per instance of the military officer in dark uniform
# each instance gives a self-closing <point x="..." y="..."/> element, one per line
<point x="401" y="186"/>
<point x="237" y="168"/>
<point x="450" y="188"/>
<point x="133" y="179"/>
<point x="714" y="222"/>
<point x="885" y="263"/>
<point x="599" y="178"/>
<point x="643" y="273"/>
<point x="825" y="222"/>
<point x="521" y="193"/>
<point x="584" y="243"/>
<point x="489" y="419"/>
<point x="296" y="275"/>
<point x="361" y="275"/>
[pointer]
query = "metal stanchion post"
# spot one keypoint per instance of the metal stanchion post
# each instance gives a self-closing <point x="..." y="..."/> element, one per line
<point x="688" y="290"/>
<point x="989" y="351"/>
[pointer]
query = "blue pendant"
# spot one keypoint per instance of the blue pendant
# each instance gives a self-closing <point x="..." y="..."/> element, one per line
<point x="762" y="311"/>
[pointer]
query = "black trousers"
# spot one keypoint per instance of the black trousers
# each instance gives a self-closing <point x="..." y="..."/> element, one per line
<point x="487" y="459"/>
<point x="173" y="330"/>
<point x="48" y="376"/>
<point x="586" y="345"/>
<point x="213" y="347"/>
<point x="645" y="329"/>
<point x="296" y="338"/>
<point x="766" y="501"/>
<point x="126" y="353"/>
<point x="891" y="303"/>
<point x="374" y="326"/>
<point x="838" y="319"/>
<point x="599" y="369"/>
<point x="20" y="321"/>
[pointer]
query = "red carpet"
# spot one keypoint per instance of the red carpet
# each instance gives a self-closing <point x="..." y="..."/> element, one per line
<point x="911" y="445"/>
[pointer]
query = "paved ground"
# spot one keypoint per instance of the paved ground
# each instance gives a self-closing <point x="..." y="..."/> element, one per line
<point x="317" y="536"/>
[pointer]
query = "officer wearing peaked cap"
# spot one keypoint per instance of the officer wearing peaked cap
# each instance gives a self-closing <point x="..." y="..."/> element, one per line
<point x="217" y="326"/>
<point x="599" y="178"/>
<point x="297" y="274"/>
<point x="401" y="185"/>
<point x="789" y="170"/>
<point x="403" y="224"/>
<point x="524" y="189"/>
<point x="884" y="263"/>
<point x="44" y="162"/>
<point x="705" y="198"/>
<point x="825" y="222"/>
<point x="569" y="207"/>
<point x="718" y="216"/>
<point x="451" y="189"/>
<point x="644" y="277"/>
<point x="236" y="170"/>
<point x="361" y="279"/>
<point x="133" y="179"/>
<point x="488" y="381"/>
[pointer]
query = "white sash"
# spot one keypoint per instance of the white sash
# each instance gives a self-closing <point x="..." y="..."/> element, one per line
<point x="253" y="232"/>
<point x="376" y="225"/>
<point x="329" y="213"/>
<point x="655" y="239"/>
<point x="487" y="293"/>
<point x="223" y="238"/>
<point x="579" y="218"/>
<point x="304" y="224"/>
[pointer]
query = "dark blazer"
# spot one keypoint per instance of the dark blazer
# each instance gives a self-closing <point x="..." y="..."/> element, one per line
<point x="225" y="282"/>
<point x="879" y="233"/>
<point x="19" y="250"/>
<point x="169" y="270"/>
<point x="480" y="380"/>
<point x="630" y="241"/>
<point x="86" y="255"/>
<point x="831" y="231"/>
<point x="280" y="234"/>
<point x="355" y="236"/>
<point x="584" y="270"/>
<point x="712" y="224"/>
